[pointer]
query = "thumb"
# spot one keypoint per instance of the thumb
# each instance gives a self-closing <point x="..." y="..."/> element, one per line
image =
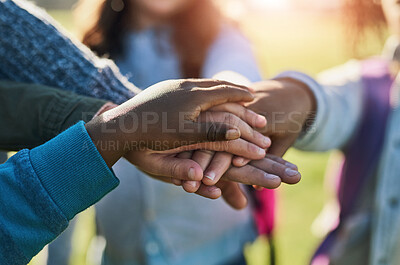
<point x="280" y="145"/>
<point x="210" y="97"/>
<point x="233" y="194"/>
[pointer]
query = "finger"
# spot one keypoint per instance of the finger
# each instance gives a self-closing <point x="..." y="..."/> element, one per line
<point x="173" y="167"/>
<point x="176" y="182"/>
<point x="239" y="161"/>
<point x="248" y="116"/>
<point x="233" y="194"/>
<point x="203" y="157"/>
<point x="208" y="132"/>
<point x="246" y="132"/>
<point x="185" y="155"/>
<point x="286" y="174"/>
<point x="233" y="77"/>
<point x="207" y="83"/>
<point x="217" y="167"/>
<point x="210" y="97"/>
<point x="188" y="185"/>
<point x="191" y="186"/>
<point x="279" y="146"/>
<point x="282" y="161"/>
<point x="251" y="175"/>
<point x="211" y="192"/>
<point x="238" y="147"/>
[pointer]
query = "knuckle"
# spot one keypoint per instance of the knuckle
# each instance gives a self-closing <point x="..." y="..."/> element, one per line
<point x="249" y="115"/>
<point x="229" y="145"/>
<point x="256" y="173"/>
<point x="213" y="116"/>
<point x="206" y="153"/>
<point x="175" y="171"/>
<point x="276" y="167"/>
<point x="230" y="119"/>
<point x="250" y="148"/>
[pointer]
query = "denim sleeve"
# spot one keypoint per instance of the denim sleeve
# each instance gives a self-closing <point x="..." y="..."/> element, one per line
<point x="42" y="189"/>
<point x="231" y="51"/>
<point x="34" y="49"/>
<point x="339" y="95"/>
<point x="32" y="114"/>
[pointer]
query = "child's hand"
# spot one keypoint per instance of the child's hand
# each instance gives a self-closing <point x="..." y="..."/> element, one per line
<point x="267" y="173"/>
<point x="288" y="105"/>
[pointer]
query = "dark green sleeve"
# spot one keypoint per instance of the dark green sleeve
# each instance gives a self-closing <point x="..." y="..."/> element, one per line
<point x="32" y="114"/>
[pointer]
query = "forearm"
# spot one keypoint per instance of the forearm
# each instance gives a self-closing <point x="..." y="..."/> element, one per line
<point x="33" y="114"/>
<point x="42" y="189"/>
<point x="338" y="109"/>
<point x="34" y="50"/>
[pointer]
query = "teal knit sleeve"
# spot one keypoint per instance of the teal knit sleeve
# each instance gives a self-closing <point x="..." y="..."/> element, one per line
<point x="72" y="170"/>
<point x="42" y="189"/>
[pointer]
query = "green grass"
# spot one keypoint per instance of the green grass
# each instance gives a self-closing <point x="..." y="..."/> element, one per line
<point x="307" y="42"/>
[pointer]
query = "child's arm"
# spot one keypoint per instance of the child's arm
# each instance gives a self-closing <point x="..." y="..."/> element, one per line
<point x="339" y="99"/>
<point x="33" y="114"/>
<point x="42" y="189"/>
<point x="313" y="116"/>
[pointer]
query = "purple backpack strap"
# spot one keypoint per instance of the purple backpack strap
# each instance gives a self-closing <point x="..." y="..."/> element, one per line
<point x="363" y="152"/>
<point x="264" y="216"/>
<point x="264" y="211"/>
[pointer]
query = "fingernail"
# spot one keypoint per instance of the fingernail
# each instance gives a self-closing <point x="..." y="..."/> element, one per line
<point x="191" y="173"/>
<point x="261" y="151"/>
<point x="261" y="119"/>
<point x="210" y="176"/>
<point x="232" y="134"/>
<point x="267" y="141"/>
<point x="191" y="183"/>
<point x="292" y="166"/>
<point x="272" y="177"/>
<point x="291" y="172"/>
<point x="240" y="161"/>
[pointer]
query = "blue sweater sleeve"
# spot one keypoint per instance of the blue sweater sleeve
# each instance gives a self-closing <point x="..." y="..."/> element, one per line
<point x="42" y="189"/>
<point x="34" y="49"/>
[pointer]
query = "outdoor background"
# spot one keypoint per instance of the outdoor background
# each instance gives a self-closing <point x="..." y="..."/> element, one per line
<point x="303" y="35"/>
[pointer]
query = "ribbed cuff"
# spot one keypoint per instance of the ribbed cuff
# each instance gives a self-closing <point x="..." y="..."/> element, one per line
<point x="307" y="136"/>
<point x="72" y="171"/>
<point x="66" y="109"/>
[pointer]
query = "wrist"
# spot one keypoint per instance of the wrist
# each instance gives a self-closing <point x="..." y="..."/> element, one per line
<point x="106" y="107"/>
<point x="97" y="129"/>
<point x="108" y="134"/>
<point x="304" y="97"/>
<point x="301" y="91"/>
<point x="107" y="145"/>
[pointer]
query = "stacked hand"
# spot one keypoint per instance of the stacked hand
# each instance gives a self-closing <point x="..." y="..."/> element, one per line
<point x="157" y="129"/>
<point x="289" y="105"/>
